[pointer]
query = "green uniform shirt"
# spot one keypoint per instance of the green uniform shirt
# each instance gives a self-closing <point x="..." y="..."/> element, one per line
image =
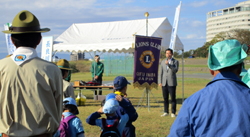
<point x="99" y="69"/>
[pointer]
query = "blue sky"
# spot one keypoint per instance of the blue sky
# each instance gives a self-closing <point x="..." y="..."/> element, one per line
<point x="58" y="15"/>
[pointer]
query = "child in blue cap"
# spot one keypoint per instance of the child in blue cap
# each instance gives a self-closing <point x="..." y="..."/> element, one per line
<point x="109" y="110"/>
<point x="120" y="86"/>
<point x="74" y="124"/>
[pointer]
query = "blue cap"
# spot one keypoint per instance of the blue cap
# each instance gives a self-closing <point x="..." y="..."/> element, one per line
<point x="71" y="101"/>
<point x="120" y="82"/>
<point x="110" y="106"/>
<point x="110" y="96"/>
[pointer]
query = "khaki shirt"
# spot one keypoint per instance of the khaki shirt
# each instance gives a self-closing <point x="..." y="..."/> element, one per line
<point x="68" y="90"/>
<point x="30" y="97"/>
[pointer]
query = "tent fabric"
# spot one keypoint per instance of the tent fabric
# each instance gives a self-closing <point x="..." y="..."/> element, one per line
<point x="117" y="36"/>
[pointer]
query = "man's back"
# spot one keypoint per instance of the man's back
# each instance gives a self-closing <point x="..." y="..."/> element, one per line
<point x="31" y="97"/>
<point x="220" y="109"/>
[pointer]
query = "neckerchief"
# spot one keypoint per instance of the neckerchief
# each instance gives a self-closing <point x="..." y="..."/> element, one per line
<point x="23" y="54"/>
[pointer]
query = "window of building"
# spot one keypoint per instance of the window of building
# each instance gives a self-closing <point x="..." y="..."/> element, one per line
<point x="237" y="9"/>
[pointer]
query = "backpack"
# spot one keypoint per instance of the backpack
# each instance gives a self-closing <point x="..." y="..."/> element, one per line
<point x="110" y="130"/>
<point x="64" y="126"/>
<point x="92" y="83"/>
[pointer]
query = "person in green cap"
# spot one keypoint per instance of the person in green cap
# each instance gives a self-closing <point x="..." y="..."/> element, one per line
<point x="221" y="109"/>
<point x="97" y="70"/>
<point x="31" y="88"/>
<point x="68" y="90"/>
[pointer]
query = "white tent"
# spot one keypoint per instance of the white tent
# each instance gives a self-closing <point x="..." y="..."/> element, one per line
<point x="117" y="36"/>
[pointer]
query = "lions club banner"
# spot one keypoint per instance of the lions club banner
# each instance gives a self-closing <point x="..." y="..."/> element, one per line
<point x="147" y="54"/>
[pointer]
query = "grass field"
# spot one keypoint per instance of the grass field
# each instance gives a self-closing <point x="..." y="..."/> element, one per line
<point x="149" y="123"/>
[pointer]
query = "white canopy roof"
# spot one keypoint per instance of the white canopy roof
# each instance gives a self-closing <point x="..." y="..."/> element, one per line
<point x="114" y="36"/>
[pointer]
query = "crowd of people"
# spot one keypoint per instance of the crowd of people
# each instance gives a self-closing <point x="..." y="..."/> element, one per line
<point x="37" y="99"/>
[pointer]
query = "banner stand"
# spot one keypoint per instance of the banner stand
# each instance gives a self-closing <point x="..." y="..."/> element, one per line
<point x="148" y="100"/>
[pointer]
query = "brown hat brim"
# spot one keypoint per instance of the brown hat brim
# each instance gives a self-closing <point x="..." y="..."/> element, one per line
<point x="40" y="31"/>
<point x="65" y="68"/>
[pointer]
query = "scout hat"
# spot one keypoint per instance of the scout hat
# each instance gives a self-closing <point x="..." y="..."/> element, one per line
<point x="110" y="106"/>
<point x="120" y="82"/>
<point x="70" y="101"/>
<point x="25" y="22"/>
<point x="225" y="54"/>
<point x="63" y="64"/>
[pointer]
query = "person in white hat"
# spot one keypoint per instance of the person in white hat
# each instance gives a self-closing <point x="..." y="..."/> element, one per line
<point x="109" y="109"/>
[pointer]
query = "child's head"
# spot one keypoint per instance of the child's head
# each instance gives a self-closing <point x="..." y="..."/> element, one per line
<point x="110" y="106"/>
<point x="110" y="96"/>
<point x="120" y="84"/>
<point x="69" y="105"/>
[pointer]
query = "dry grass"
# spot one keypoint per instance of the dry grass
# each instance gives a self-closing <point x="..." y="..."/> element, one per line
<point x="149" y="123"/>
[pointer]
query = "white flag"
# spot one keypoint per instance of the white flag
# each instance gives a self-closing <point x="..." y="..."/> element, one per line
<point x="175" y="26"/>
<point x="10" y="46"/>
<point x="47" y="43"/>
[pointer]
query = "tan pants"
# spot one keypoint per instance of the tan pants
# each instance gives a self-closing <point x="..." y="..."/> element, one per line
<point x="43" y="135"/>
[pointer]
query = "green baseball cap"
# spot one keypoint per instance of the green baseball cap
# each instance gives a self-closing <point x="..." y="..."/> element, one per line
<point x="25" y="22"/>
<point x="225" y="54"/>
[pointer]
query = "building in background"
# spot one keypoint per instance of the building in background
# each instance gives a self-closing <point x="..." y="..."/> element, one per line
<point x="74" y="56"/>
<point x="237" y="17"/>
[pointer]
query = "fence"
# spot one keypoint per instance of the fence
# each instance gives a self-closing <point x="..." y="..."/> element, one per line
<point x="115" y="64"/>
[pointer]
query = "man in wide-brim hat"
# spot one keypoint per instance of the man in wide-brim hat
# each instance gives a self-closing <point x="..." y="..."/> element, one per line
<point x="221" y="109"/>
<point x="68" y="90"/>
<point x="31" y="88"/>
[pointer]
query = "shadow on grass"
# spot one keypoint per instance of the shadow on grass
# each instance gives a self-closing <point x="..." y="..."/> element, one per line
<point x="152" y="106"/>
<point x="90" y="104"/>
<point x="178" y="101"/>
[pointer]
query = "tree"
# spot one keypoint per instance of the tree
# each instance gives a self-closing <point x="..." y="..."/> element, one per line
<point x="242" y="35"/>
<point x="162" y="54"/>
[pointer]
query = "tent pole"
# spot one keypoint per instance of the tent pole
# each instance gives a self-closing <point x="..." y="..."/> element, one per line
<point x="182" y="76"/>
<point x="91" y="56"/>
<point x="94" y="65"/>
<point x="54" y="53"/>
<point x="125" y="66"/>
